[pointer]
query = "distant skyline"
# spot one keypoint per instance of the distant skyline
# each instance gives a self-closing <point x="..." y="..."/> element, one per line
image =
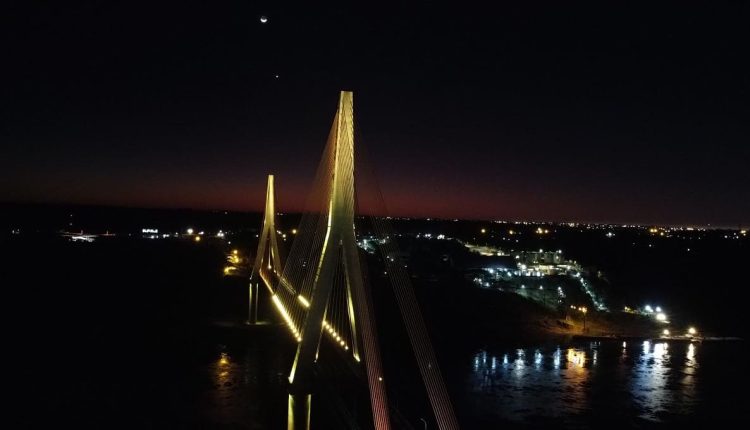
<point x="600" y="112"/>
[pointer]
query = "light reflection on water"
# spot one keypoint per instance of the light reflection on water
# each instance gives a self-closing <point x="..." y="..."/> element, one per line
<point x="225" y="373"/>
<point x="642" y="381"/>
<point x="243" y="383"/>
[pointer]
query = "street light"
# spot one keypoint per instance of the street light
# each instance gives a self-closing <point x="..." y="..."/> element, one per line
<point x="585" y="311"/>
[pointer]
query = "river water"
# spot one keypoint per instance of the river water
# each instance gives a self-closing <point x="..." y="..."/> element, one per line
<point x="118" y="336"/>
<point x="584" y="385"/>
<point x="636" y="383"/>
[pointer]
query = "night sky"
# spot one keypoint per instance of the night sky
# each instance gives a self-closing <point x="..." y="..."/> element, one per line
<point x="568" y="111"/>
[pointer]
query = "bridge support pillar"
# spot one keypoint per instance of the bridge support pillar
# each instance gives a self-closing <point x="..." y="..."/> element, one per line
<point x="252" y="305"/>
<point x="298" y="415"/>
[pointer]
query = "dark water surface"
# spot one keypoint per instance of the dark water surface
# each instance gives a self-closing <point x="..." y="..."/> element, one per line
<point x="585" y="385"/>
<point x="121" y="335"/>
<point x="581" y="385"/>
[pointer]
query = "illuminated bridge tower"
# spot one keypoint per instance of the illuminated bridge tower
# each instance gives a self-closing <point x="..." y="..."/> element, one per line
<point x="267" y="259"/>
<point x="338" y="254"/>
<point x="321" y="295"/>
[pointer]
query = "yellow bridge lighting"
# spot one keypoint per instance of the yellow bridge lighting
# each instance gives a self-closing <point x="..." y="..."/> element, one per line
<point x="286" y="317"/>
<point x="303" y="300"/>
<point x="307" y="294"/>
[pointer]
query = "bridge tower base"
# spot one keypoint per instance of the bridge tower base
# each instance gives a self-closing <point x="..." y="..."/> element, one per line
<point x="298" y="415"/>
<point x="252" y="305"/>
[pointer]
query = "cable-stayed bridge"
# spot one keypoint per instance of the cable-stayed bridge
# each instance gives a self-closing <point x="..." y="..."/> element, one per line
<point x="322" y="293"/>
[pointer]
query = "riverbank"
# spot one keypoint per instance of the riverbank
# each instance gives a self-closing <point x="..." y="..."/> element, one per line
<point x="507" y="317"/>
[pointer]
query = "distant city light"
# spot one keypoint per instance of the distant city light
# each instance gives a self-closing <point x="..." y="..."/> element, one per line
<point x="648" y="308"/>
<point x="190" y="231"/>
<point x="665" y="332"/>
<point x="661" y="317"/>
<point x="484" y="231"/>
<point x="692" y="331"/>
<point x="197" y="238"/>
<point x="263" y="19"/>
<point x="294" y="231"/>
<point x="658" y="309"/>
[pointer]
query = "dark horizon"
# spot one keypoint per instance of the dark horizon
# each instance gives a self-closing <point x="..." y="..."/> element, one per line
<point x="633" y="114"/>
<point x="282" y="211"/>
